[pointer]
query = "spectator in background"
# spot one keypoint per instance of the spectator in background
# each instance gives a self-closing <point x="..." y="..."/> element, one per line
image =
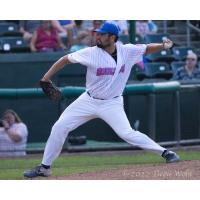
<point x="96" y="25"/>
<point x="46" y="39"/>
<point x="122" y="24"/>
<point x="87" y="24"/>
<point x="76" y="31"/>
<point x="142" y="28"/>
<point x="27" y="28"/>
<point x="153" y="28"/>
<point x="13" y="135"/>
<point x="62" y="26"/>
<point x="83" y="41"/>
<point x="190" y="71"/>
<point x="78" y="36"/>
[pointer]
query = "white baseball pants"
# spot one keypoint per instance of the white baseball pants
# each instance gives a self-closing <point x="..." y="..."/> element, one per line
<point x="86" y="108"/>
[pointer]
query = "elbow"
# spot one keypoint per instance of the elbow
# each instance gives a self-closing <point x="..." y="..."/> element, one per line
<point x="17" y="139"/>
<point x="148" y="50"/>
<point x="66" y="60"/>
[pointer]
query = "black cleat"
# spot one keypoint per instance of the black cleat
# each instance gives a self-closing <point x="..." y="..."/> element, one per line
<point x="37" y="171"/>
<point x="170" y="156"/>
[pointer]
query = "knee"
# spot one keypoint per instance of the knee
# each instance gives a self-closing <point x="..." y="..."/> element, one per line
<point x="60" y="127"/>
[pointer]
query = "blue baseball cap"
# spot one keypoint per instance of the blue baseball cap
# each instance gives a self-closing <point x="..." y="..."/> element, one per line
<point x="108" y="27"/>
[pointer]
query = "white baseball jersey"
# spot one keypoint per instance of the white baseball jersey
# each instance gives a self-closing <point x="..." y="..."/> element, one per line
<point x="105" y="78"/>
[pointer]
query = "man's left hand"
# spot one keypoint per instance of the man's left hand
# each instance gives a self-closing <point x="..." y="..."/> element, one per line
<point x="167" y="43"/>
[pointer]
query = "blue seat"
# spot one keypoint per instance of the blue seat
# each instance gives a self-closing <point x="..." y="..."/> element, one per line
<point x="139" y="39"/>
<point x="13" y="44"/>
<point x="159" y="70"/>
<point x="124" y="39"/>
<point x="164" y="55"/>
<point x="177" y="64"/>
<point x="9" y="29"/>
<point x="180" y="53"/>
<point x="156" y="38"/>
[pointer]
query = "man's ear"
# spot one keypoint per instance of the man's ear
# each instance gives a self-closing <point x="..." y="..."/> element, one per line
<point x="114" y="38"/>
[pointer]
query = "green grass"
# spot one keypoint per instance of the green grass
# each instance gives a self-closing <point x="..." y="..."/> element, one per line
<point x="72" y="164"/>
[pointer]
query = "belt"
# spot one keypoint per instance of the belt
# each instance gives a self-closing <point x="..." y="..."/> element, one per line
<point x="99" y="98"/>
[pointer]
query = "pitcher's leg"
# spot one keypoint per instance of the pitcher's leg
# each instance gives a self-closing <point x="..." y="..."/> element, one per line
<point x="59" y="133"/>
<point x="76" y="114"/>
<point x="117" y="119"/>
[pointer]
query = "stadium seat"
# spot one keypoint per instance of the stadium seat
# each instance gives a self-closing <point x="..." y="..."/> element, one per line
<point x="139" y="39"/>
<point x="9" y="29"/>
<point x="13" y="44"/>
<point x="175" y="65"/>
<point x="180" y="53"/>
<point x="124" y="39"/>
<point x="154" y="71"/>
<point x="155" y="38"/>
<point x="164" y="55"/>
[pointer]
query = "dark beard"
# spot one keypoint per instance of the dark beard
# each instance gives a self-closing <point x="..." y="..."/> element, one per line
<point x="100" y="46"/>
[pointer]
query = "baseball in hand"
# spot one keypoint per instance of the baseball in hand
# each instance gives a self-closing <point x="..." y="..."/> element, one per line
<point x="167" y="43"/>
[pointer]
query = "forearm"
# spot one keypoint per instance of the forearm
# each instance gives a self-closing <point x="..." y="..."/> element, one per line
<point x="32" y="47"/>
<point x="157" y="47"/>
<point x="57" y="66"/>
<point x="154" y="48"/>
<point x="13" y="136"/>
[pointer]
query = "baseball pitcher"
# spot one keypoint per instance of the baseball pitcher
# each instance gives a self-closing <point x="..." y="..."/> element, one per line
<point x="108" y="65"/>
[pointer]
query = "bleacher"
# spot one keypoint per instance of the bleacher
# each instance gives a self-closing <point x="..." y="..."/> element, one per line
<point x="160" y="65"/>
<point x="11" y="40"/>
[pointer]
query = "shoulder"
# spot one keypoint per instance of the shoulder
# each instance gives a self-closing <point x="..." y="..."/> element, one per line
<point x="88" y="50"/>
<point x="134" y="46"/>
<point x="136" y="49"/>
<point x="20" y="125"/>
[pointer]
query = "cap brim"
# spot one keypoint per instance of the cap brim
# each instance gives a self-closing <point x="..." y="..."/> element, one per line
<point x="100" y="31"/>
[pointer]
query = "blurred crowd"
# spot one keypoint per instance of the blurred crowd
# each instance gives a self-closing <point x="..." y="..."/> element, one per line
<point x="71" y="35"/>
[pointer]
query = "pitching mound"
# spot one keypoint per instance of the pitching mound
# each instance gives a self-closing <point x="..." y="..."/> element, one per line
<point x="185" y="170"/>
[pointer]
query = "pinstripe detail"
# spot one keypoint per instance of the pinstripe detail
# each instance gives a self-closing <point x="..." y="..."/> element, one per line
<point x="101" y="68"/>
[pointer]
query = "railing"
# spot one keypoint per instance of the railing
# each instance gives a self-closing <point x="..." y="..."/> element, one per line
<point x="164" y="26"/>
<point x="190" y="27"/>
<point x="149" y="89"/>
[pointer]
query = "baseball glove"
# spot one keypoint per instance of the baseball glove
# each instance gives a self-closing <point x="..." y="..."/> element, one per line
<point x="51" y="90"/>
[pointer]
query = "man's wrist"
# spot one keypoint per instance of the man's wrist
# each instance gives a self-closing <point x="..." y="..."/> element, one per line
<point x="163" y="46"/>
<point x="45" y="79"/>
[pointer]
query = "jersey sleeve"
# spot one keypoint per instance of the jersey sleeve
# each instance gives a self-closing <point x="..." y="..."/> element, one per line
<point x="82" y="56"/>
<point x="136" y="52"/>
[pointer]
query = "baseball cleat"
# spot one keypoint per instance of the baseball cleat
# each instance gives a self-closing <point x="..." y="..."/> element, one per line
<point x="37" y="171"/>
<point x="170" y="156"/>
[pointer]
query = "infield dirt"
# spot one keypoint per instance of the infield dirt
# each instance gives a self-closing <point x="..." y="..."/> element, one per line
<point x="184" y="170"/>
